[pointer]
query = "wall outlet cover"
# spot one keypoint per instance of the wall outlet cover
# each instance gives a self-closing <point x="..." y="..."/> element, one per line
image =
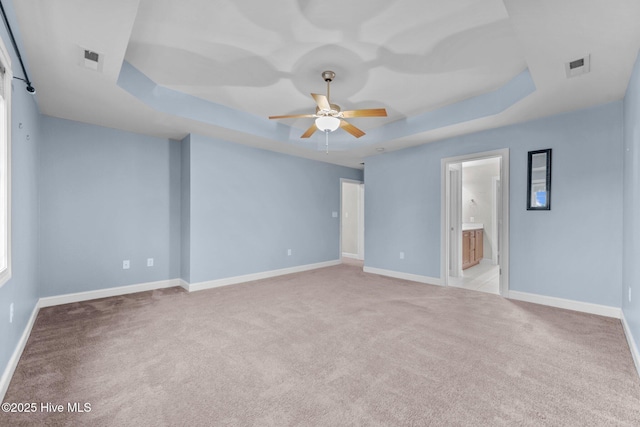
<point x="126" y="264"/>
<point x="149" y="262"/>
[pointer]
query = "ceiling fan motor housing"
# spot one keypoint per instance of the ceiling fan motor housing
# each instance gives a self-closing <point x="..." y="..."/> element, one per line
<point x="328" y="76"/>
<point x="334" y="111"/>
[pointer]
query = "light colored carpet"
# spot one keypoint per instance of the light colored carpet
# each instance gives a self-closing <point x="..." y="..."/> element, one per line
<point x="330" y="347"/>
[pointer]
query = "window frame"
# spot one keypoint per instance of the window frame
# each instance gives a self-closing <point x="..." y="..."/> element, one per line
<point x="5" y="61"/>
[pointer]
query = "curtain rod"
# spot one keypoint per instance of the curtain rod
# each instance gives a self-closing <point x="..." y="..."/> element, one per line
<point x="30" y="88"/>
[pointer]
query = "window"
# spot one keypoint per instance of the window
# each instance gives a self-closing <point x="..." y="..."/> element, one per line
<point x="5" y="165"/>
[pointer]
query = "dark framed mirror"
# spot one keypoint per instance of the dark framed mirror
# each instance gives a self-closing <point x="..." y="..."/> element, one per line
<point x="539" y="180"/>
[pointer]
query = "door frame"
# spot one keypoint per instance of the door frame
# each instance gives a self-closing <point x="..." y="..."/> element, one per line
<point x="454" y="189"/>
<point x="360" y="184"/>
<point x="503" y="154"/>
<point x="495" y="205"/>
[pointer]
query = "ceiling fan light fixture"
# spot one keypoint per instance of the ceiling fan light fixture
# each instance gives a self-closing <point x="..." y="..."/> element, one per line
<point x="330" y="117"/>
<point x="327" y="123"/>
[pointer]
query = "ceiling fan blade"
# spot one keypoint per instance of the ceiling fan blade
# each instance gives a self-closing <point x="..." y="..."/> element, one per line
<point x="351" y="129"/>
<point x="292" y="116"/>
<point x="309" y="131"/>
<point x="322" y="101"/>
<point x="373" y="112"/>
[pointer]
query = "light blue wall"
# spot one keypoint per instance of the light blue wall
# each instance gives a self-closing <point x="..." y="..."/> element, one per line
<point x="203" y="209"/>
<point x="573" y="251"/>
<point x="22" y="288"/>
<point x="248" y="206"/>
<point x="107" y="196"/>
<point x="631" y="266"/>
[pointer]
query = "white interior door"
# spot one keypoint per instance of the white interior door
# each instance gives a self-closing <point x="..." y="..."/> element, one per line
<point x="352" y="219"/>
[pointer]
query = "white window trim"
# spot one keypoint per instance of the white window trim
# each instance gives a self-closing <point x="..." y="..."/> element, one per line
<point x="5" y="60"/>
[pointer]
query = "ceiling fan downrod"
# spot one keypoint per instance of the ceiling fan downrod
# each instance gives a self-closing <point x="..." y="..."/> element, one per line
<point x="328" y="77"/>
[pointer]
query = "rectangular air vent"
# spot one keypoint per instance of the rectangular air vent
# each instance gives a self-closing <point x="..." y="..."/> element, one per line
<point x="90" y="59"/>
<point x="572" y="65"/>
<point x="91" y="56"/>
<point x="578" y="66"/>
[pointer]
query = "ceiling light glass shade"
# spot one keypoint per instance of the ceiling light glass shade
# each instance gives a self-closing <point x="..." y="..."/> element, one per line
<point x="327" y="123"/>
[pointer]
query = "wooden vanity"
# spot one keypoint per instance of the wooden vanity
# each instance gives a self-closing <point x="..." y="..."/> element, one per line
<point x="472" y="247"/>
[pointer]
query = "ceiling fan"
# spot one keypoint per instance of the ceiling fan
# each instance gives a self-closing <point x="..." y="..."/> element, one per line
<point x="330" y="117"/>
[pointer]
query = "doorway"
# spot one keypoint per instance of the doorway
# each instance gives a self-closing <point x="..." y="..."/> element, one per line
<point x="475" y="220"/>
<point x="351" y="220"/>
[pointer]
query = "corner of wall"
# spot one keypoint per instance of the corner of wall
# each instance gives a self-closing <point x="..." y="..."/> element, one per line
<point x="185" y="208"/>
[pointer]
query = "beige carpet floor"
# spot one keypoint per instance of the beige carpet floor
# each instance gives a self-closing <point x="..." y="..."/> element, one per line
<point x="330" y="347"/>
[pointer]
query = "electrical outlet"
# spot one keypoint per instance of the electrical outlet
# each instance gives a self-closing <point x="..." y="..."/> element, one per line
<point x="11" y="313"/>
<point x="149" y="262"/>
<point x="288" y="252"/>
<point x="334" y="214"/>
<point x="125" y="264"/>
<point x="401" y="255"/>
<point x="629" y="293"/>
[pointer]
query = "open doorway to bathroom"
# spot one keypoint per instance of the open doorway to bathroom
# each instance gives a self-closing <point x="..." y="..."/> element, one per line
<point x="475" y="222"/>
<point x="352" y="221"/>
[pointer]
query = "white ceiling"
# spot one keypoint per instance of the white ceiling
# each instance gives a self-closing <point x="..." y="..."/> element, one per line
<point x="264" y="58"/>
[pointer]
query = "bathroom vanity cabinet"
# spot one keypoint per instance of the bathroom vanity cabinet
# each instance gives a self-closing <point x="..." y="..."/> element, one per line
<point x="472" y="247"/>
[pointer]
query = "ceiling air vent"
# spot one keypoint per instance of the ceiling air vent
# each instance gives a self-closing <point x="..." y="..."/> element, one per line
<point x="578" y="66"/>
<point x="90" y="59"/>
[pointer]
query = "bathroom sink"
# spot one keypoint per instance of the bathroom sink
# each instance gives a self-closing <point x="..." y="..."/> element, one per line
<point x="472" y="226"/>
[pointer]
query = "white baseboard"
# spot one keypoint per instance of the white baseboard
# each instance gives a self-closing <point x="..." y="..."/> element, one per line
<point x="15" y="357"/>
<point x="108" y="292"/>
<point x="405" y="276"/>
<point x="585" y="307"/>
<point x="149" y="286"/>
<point x="255" y="276"/>
<point x="349" y="255"/>
<point x="635" y="354"/>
